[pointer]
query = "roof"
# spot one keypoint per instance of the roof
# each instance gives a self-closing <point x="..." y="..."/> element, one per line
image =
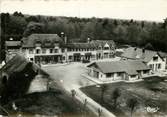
<point x="129" y="66"/>
<point x="46" y="40"/>
<point x="93" y="44"/>
<point x="13" y="43"/>
<point x="102" y="43"/>
<point x="139" y="54"/>
<point x="81" y="45"/>
<point x="163" y="54"/>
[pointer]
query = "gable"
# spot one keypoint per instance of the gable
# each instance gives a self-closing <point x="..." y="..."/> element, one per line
<point x="159" y="58"/>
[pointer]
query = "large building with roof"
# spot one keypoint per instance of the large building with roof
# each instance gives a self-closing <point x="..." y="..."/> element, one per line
<point x="50" y="48"/>
<point x="118" y="70"/>
<point x="155" y="60"/>
<point x="42" y="48"/>
<point x="92" y="50"/>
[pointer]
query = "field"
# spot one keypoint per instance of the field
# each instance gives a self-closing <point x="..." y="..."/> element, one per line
<point x="150" y="93"/>
<point x="48" y="103"/>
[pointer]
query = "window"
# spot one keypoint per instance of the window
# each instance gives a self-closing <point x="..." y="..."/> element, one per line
<point x="151" y="66"/>
<point x="119" y="74"/>
<point x="155" y="58"/>
<point x="133" y="76"/>
<point x="51" y="50"/>
<point x="159" y="66"/>
<point x="100" y="48"/>
<point x="106" y="48"/>
<point x="70" y="57"/>
<point x="109" y="75"/>
<point x="63" y="50"/>
<point x="31" y="59"/>
<point x="37" y="51"/>
<point x="145" y="72"/>
<point x="4" y="80"/>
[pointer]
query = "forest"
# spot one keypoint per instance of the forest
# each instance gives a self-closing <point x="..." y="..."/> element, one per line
<point x="150" y="35"/>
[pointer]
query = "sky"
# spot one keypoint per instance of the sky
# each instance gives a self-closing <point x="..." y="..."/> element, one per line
<point x="151" y="10"/>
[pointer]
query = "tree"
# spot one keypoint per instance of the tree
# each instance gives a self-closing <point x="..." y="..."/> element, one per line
<point x="34" y="27"/>
<point x="149" y="46"/>
<point x="103" y="87"/>
<point x="132" y="103"/>
<point x="115" y="95"/>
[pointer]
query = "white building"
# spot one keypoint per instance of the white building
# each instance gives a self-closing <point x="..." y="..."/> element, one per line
<point x="155" y="60"/>
<point x="118" y="70"/>
<point x="50" y="48"/>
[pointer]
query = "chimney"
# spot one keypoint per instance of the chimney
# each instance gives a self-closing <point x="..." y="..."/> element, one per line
<point x="143" y="53"/>
<point x="62" y="35"/>
<point x="65" y="39"/>
<point x="143" y="50"/>
<point x="88" y="40"/>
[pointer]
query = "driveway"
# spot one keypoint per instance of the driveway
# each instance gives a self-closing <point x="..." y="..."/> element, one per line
<point x="71" y="78"/>
<point x="69" y="75"/>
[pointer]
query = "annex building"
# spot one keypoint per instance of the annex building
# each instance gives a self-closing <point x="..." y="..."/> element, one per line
<point x="118" y="70"/>
<point x="157" y="61"/>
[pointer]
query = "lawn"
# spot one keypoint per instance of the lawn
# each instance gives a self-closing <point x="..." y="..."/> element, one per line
<point x="151" y="92"/>
<point x="48" y="103"/>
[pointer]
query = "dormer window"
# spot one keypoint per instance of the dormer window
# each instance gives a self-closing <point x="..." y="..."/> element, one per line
<point x="106" y="47"/>
<point x="100" y="47"/>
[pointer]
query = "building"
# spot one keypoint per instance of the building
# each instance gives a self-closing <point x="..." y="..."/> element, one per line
<point x="50" y="48"/>
<point x="92" y="50"/>
<point x="12" y="47"/>
<point x="43" y="48"/>
<point x="155" y="60"/>
<point x="118" y="70"/>
<point x="19" y="78"/>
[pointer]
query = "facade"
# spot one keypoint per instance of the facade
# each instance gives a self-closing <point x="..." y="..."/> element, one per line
<point x="42" y="48"/>
<point x="118" y="70"/>
<point x="92" y="50"/>
<point x="50" y="48"/>
<point x="153" y="59"/>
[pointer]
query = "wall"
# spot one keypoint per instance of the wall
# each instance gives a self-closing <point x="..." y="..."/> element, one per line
<point x="160" y="61"/>
<point x="38" y="84"/>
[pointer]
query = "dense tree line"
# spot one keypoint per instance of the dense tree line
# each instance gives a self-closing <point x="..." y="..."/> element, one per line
<point x="151" y="35"/>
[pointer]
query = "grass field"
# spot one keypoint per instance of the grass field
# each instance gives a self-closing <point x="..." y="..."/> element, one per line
<point x="151" y="92"/>
<point x="47" y="103"/>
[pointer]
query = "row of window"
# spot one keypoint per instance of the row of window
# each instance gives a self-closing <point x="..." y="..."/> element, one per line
<point x="155" y="66"/>
<point x="79" y="49"/>
<point x="86" y="49"/>
<point x="110" y="75"/>
<point x="39" y="51"/>
<point x="43" y="51"/>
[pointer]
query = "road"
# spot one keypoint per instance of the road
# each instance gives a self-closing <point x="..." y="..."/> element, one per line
<point x="70" y="77"/>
